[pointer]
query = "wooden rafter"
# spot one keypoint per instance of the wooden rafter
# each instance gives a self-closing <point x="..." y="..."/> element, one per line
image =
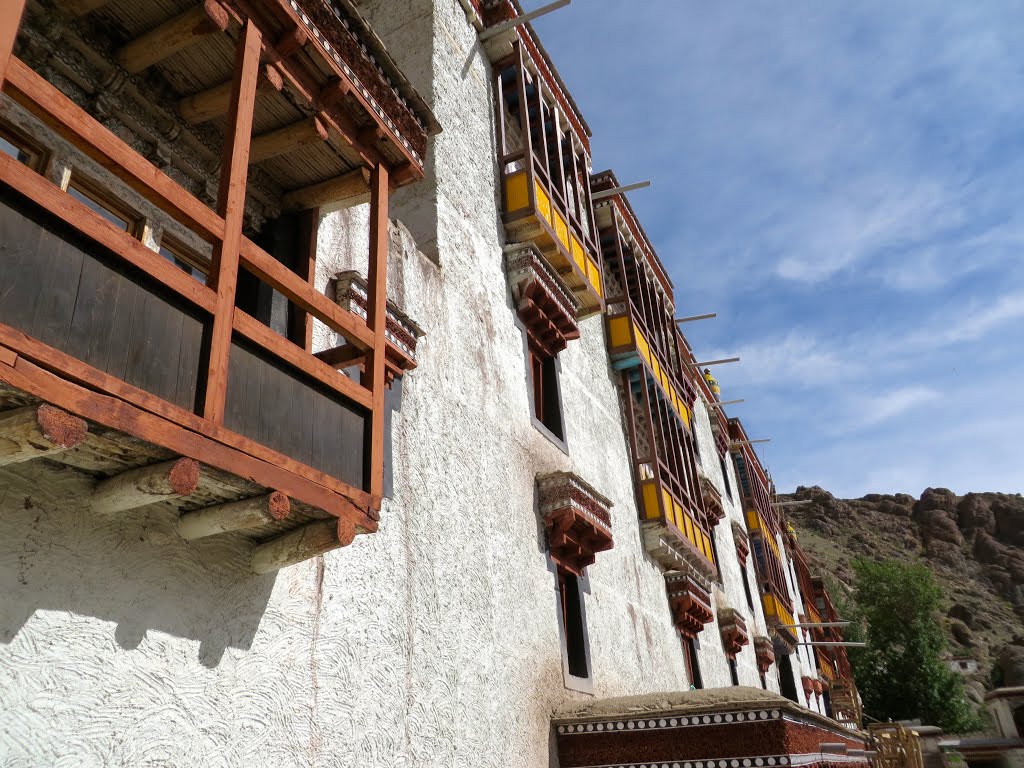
<point x="183" y="31"/>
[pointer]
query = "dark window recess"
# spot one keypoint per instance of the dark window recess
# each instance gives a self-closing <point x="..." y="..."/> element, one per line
<point x="746" y="588"/>
<point x="734" y="673"/>
<point x="113" y="212"/>
<point x="828" y="704"/>
<point x="547" y="407"/>
<point x="183" y="259"/>
<point x="575" y="636"/>
<point x="21" y="150"/>
<point x="280" y="238"/>
<point x="787" y="685"/>
<point x="725" y="477"/>
<point x="690" y="648"/>
<point x="764" y="681"/>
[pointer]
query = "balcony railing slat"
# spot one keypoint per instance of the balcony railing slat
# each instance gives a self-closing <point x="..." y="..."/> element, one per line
<point x="79" y="216"/>
<point x="81" y="129"/>
<point x="260" y="334"/>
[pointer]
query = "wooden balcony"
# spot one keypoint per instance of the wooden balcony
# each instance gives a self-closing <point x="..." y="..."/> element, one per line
<point x="176" y="393"/>
<point x="544" y="167"/>
<point x="672" y="534"/>
<point x="779" y="617"/>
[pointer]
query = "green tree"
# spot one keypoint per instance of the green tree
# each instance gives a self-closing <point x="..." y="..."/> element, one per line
<point x="901" y="674"/>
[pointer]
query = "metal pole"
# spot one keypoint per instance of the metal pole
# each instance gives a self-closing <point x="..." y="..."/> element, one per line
<point x="690" y="319"/>
<point x="505" y="26"/>
<point x="715" y="362"/>
<point x="725" y="402"/>
<point x="618" y="190"/>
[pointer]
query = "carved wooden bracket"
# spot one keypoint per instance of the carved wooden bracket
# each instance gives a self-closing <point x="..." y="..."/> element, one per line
<point x="576" y="518"/>
<point x="764" y="651"/>
<point x="734" y="631"/>
<point x="690" y="600"/>
<point x="544" y="303"/>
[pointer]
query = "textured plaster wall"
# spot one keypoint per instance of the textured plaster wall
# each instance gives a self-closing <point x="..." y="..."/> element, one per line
<point x="730" y="592"/>
<point x="434" y="642"/>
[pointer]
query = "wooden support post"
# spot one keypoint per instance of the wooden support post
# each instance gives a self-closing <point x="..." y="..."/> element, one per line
<point x="341" y="192"/>
<point x="216" y="101"/>
<point x="36" y="431"/>
<point x="146" y="485"/>
<point x="10" y="20"/>
<point x="234" y="516"/>
<point x="231" y="206"/>
<point x="83" y="7"/>
<point x="376" y="316"/>
<point x="172" y="36"/>
<point x="301" y="322"/>
<point x="303" y="543"/>
<point x="287" y="139"/>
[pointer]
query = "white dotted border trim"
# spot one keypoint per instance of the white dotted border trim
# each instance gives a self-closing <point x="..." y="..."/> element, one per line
<point x="359" y="86"/>
<point x="677" y="722"/>
<point x="746" y="762"/>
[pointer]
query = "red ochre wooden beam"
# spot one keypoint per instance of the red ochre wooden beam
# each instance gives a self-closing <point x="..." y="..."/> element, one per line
<point x="376" y="318"/>
<point x="10" y="19"/>
<point x="231" y="207"/>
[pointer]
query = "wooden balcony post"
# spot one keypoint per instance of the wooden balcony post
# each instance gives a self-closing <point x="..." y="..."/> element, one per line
<point x="376" y="315"/>
<point x="10" y="19"/>
<point x="231" y="206"/>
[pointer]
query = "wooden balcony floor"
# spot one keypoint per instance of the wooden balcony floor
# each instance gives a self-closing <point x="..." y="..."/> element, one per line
<point x="106" y="453"/>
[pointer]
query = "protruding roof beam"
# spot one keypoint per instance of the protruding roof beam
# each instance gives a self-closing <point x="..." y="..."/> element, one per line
<point x="341" y="192"/>
<point x="36" y="431"/>
<point x="792" y="503"/>
<point x="725" y="402"/>
<point x="173" y="35"/>
<point x="82" y="7"/>
<point x="146" y="485"/>
<point x="505" y="26"/>
<point x="213" y="102"/>
<point x="234" y="516"/>
<point x="303" y="543"/>
<point x="287" y="139"/>
<point x="740" y="443"/>
<point x="606" y="193"/>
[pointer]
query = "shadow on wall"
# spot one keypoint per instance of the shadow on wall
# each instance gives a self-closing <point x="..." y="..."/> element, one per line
<point x="58" y="557"/>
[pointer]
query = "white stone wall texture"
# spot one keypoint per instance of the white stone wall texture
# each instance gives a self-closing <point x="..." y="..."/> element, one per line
<point x="434" y="642"/>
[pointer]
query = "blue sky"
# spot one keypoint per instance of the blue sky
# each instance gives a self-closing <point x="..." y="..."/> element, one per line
<point x="843" y="182"/>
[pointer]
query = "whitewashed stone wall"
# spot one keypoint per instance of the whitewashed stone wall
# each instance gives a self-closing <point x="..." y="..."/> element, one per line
<point x="434" y="642"/>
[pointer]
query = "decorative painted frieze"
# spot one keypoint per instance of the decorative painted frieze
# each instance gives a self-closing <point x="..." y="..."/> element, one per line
<point x="734" y="631"/>
<point x="690" y="599"/>
<point x="543" y="301"/>
<point x="577" y="520"/>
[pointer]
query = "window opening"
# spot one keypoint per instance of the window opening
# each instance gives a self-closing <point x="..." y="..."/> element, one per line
<point x="573" y="626"/>
<point x="183" y="258"/>
<point x="787" y="685"/>
<point x="764" y="681"/>
<point x="21" y="150"/>
<point x="546" y="401"/>
<point x="117" y="214"/>
<point x="746" y="588"/>
<point x="734" y="673"/>
<point x="690" y="647"/>
<point x="725" y="477"/>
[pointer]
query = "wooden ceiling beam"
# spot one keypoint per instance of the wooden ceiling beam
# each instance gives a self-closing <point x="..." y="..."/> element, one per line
<point x="341" y="192"/>
<point x="173" y="35"/>
<point x="213" y="102"/>
<point x="234" y="516"/>
<point x="287" y="139"/>
<point x="83" y="7"/>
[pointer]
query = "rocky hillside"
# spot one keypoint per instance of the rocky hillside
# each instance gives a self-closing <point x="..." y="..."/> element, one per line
<point x="974" y="545"/>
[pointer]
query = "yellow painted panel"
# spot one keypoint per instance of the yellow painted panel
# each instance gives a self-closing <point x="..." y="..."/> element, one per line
<point x="667" y="498"/>
<point x="753" y="521"/>
<point x="619" y="330"/>
<point x="561" y="228"/>
<point x="642" y="345"/>
<point x="651" y="501"/>
<point x="543" y="202"/>
<point x="578" y="255"/>
<point x="516" y="193"/>
<point x="594" y="275"/>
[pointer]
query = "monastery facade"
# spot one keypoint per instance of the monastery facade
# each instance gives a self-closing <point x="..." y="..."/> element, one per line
<point x="345" y="419"/>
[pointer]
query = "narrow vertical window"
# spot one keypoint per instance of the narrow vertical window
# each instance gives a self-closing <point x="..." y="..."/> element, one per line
<point x="573" y="624"/>
<point x="787" y="685"/>
<point x="764" y="681"/>
<point x="547" y="407"/>
<point x="690" y="647"/>
<point x="725" y="478"/>
<point x="734" y="673"/>
<point x="746" y="588"/>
